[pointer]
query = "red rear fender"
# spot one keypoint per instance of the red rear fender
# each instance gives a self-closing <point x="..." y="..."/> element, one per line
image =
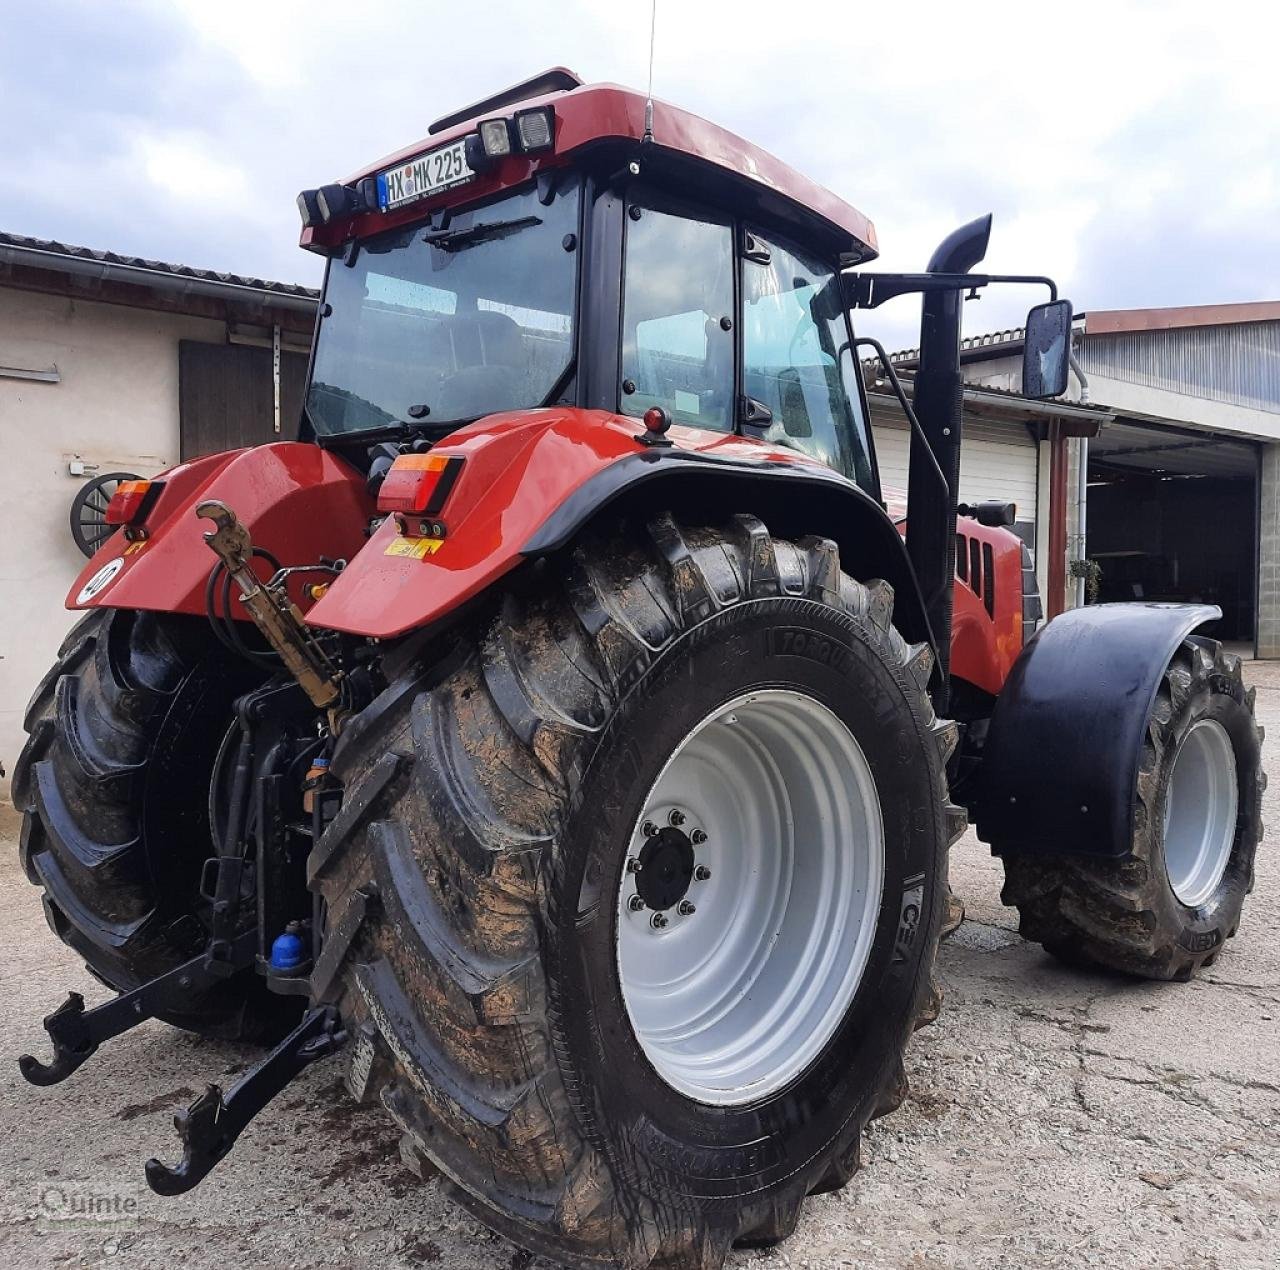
<point x="519" y="469"/>
<point x="298" y="501"/>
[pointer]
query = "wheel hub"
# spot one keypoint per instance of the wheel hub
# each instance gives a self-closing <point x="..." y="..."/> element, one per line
<point x="749" y="900"/>
<point x="1200" y="812"/>
<point x="666" y="869"/>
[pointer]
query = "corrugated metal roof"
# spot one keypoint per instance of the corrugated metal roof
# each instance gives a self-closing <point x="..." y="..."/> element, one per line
<point x="1000" y="342"/>
<point x="980" y="393"/>
<point x="1132" y="447"/>
<point x="232" y="281"/>
<point x="1114" y="321"/>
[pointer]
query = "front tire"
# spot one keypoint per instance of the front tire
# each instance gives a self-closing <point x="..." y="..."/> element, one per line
<point x="1165" y="909"/>
<point x="491" y="807"/>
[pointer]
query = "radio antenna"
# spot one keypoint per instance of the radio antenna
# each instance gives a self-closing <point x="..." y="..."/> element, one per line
<point x="648" y="104"/>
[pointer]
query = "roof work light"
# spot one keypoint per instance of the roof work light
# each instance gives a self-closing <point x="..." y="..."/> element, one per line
<point x="535" y="129"/>
<point x="495" y="138"/>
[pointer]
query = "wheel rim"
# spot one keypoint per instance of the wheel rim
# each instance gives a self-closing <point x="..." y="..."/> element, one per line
<point x="1200" y="812"/>
<point x="782" y="864"/>
<point x="89" y="525"/>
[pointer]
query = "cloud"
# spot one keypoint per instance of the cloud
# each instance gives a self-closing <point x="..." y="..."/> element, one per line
<point x="181" y="167"/>
<point x="1131" y="149"/>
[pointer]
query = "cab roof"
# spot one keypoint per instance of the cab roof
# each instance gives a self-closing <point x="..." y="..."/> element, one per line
<point x="591" y="115"/>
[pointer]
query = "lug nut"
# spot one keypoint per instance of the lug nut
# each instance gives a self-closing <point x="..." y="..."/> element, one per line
<point x="697" y="837"/>
<point x="633" y="865"/>
<point x="702" y="873"/>
<point x="658" y="921"/>
<point x="686" y="909"/>
<point x="676" y="818"/>
<point x="635" y="904"/>
<point x="649" y="829"/>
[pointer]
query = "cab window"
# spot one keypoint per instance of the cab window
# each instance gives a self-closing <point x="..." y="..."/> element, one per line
<point x="796" y="359"/>
<point x="677" y="308"/>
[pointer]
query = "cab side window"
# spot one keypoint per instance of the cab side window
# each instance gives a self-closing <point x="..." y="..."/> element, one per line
<point x="677" y="306"/>
<point x="796" y="360"/>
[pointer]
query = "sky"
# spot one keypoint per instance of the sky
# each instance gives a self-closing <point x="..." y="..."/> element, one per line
<point x="1131" y="150"/>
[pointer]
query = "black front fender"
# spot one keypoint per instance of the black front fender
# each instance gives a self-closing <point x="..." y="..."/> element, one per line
<point x="1060" y="763"/>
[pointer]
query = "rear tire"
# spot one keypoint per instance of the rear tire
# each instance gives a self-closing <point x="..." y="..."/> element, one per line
<point x="1166" y="909"/>
<point x="490" y="807"/>
<point x="113" y="783"/>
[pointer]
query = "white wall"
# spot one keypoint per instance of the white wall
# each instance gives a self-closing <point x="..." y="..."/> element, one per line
<point x="116" y="405"/>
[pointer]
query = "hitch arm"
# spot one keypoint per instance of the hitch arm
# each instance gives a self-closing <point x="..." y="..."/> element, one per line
<point x="76" y="1032"/>
<point x="210" y="1126"/>
<point x="275" y="616"/>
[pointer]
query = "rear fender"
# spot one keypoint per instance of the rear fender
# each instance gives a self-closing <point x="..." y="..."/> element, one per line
<point x="535" y="480"/>
<point x="298" y="501"/>
<point x="1060" y="764"/>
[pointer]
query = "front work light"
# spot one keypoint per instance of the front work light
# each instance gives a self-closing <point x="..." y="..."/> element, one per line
<point x="132" y="502"/>
<point x="495" y="138"/>
<point x="334" y="202"/>
<point x="309" y="209"/>
<point x="419" y="484"/>
<point x="535" y="128"/>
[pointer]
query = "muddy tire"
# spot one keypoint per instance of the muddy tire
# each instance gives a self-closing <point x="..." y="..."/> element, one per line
<point x="113" y="784"/>
<point x="1166" y="909"/>
<point x="477" y="885"/>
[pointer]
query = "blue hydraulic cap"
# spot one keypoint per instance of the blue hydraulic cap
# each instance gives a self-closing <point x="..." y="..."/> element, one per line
<point x="288" y="951"/>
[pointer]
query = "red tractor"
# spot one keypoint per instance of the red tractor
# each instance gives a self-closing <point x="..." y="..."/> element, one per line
<point x="564" y="731"/>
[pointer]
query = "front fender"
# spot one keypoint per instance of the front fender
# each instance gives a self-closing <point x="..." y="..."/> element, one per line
<point x="1060" y="765"/>
<point x="534" y="480"/>
<point x="298" y="501"/>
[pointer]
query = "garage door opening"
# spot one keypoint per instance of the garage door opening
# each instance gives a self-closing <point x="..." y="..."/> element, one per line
<point x="998" y="461"/>
<point x="1172" y="515"/>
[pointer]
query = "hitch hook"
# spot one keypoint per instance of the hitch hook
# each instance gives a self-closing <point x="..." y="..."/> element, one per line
<point x="210" y="1126"/>
<point x="72" y="1044"/>
<point x="76" y="1032"/>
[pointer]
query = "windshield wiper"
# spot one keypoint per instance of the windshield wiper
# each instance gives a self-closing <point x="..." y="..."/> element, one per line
<point x="457" y="239"/>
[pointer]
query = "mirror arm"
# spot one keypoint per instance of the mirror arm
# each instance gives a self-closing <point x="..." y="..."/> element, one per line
<point x="870" y="290"/>
<point x="1030" y="279"/>
<point x="907" y="407"/>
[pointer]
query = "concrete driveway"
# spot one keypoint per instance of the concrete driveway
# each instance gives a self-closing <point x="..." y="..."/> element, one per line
<point x="1056" y="1119"/>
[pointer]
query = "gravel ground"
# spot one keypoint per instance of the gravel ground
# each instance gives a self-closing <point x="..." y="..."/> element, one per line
<point x="1056" y="1119"/>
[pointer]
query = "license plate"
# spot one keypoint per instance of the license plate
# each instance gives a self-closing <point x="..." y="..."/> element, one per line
<point x="429" y="173"/>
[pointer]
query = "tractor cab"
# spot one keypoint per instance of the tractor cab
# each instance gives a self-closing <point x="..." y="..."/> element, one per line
<point x="585" y="248"/>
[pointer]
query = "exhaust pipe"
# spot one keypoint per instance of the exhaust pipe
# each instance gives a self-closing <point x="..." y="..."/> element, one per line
<point x="931" y="521"/>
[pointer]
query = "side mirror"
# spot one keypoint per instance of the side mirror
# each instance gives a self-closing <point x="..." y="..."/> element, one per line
<point x="1046" y="350"/>
<point x="992" y="513"/>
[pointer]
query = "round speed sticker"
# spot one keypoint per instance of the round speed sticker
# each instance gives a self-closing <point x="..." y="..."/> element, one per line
<point x="100" y="580"/>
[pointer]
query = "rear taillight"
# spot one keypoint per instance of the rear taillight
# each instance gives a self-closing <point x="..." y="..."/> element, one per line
<point x="132" y="502"/>
<point x="419" y="484"/>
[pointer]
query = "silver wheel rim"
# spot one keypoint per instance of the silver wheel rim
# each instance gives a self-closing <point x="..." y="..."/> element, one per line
<point x="1200" y="812"/>
<point x="735" y="990"/>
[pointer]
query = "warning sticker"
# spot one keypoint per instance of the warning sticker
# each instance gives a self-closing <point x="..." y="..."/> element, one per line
<point x="420" y="548"/>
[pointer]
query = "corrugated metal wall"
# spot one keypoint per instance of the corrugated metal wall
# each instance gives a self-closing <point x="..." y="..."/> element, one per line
<point x="1237" y="363"/>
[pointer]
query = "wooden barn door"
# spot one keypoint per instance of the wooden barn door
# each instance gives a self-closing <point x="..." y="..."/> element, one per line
<point x="226" y="396"/>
